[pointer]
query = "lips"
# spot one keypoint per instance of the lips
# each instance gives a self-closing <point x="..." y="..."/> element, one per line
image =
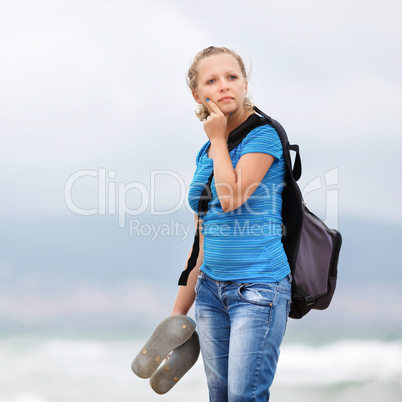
<point x="225" y="99"/>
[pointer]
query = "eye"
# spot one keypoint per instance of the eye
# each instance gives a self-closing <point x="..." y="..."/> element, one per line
<point x="211" y="81"/>
<point x="232" y="77"/>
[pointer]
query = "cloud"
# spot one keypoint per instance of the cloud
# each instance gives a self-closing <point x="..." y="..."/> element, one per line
<point x="103" y="87"/>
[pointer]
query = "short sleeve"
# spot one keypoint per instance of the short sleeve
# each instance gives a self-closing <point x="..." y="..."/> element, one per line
<point x="263" y="139"/>
<point x="197" y="158"/>
<point x="201" y="152"/>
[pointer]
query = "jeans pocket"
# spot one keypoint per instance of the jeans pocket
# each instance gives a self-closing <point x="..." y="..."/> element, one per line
<point x="289" y="305"/>
<point x="262" y="294"/>
<point x="198" y="283"/>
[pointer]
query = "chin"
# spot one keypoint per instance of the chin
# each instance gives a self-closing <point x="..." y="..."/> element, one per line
<point x="228" y="110"/>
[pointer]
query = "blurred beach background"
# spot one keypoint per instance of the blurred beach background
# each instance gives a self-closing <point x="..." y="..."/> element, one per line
<point x="98" y="141"/>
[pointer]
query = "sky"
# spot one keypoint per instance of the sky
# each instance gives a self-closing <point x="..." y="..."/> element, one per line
<point x="101" y="84"/>
<point x="96" y="117"/>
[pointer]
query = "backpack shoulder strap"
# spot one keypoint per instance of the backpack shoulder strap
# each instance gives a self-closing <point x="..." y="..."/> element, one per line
<point x="296" y="170"/>
<point x="241" y="132"/>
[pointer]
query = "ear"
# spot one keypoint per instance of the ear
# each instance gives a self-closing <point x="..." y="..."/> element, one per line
<point x="196" y="97"/>
<point x="245" y="88"/>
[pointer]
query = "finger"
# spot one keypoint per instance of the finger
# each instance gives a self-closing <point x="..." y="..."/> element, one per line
<point x="212" y="106"/>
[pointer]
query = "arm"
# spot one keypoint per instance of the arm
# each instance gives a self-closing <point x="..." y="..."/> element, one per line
<point x="233" y="186"/>
<point x="186" y="294"/>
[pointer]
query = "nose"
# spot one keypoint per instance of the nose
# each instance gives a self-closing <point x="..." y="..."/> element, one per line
<point x="224" y="86"/>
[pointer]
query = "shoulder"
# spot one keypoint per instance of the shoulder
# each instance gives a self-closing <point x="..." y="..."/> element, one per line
<point x="202" y="152"/>
<point x="263" y="139"/>
<point x="263" y="133"/>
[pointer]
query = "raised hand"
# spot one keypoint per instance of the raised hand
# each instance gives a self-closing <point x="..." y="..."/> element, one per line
<point x="215" y="126"/>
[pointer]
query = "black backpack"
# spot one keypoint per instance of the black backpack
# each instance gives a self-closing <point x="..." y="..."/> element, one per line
<point x="311" y="247"/>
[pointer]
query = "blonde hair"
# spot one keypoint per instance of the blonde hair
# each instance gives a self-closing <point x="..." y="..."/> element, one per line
<point x="192" y="76"/>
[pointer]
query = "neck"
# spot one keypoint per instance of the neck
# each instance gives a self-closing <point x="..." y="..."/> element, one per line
<point x="236" y="119"/>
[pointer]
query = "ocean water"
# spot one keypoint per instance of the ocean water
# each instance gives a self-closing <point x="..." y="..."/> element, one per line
<point x="58" y="368"/>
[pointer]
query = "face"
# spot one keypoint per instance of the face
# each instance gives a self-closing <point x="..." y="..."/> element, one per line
<point x="221" y="80"/>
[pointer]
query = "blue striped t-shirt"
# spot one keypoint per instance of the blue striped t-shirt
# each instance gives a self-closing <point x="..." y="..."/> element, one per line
<point x="244" y="245"/>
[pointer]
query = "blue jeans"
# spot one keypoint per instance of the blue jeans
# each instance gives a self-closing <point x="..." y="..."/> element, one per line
<point x="240" y="327"/>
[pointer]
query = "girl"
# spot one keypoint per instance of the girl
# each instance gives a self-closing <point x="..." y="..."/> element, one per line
<point x="241" y="281"/>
